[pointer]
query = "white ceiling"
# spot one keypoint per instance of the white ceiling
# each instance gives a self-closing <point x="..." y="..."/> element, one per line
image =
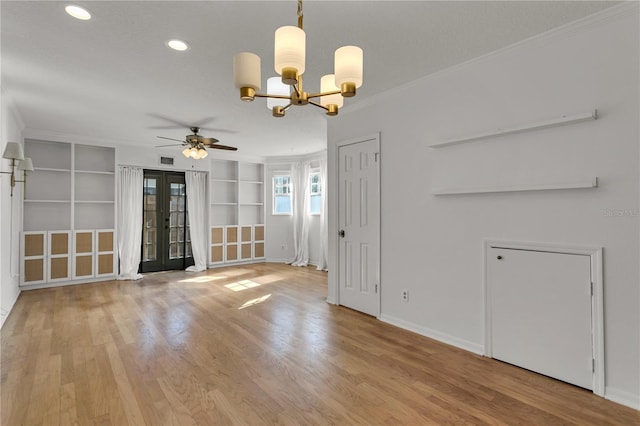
<point x="112" y="78"/>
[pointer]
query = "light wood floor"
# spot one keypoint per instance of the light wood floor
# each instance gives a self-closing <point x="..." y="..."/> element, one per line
<point x="253" y="345"/>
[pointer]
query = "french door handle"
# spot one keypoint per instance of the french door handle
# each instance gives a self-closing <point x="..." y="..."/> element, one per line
<point x="341" y="233"/>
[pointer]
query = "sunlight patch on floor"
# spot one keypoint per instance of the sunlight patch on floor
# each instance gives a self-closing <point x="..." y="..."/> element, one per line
<point x="203" y="279"/>
<point x="242" y="285"/>
<point x="254" y="301"/>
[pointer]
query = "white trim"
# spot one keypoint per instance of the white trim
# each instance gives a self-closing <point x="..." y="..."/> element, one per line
<point x="623" y="10"/>
<point x="597" y="312"/>
<point x="4" y="316"/>
<point x="51" y="284"/>
<point x="448" y="339"/>
<point x="334" y="245"/>
<point x="622" y="397"/>
<point x="585" y="183"/>
<point x="562" y="121"/>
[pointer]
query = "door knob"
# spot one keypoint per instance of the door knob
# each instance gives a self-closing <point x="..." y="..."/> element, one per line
<point x="341" y="233"/>
<point x="499" y="257"/>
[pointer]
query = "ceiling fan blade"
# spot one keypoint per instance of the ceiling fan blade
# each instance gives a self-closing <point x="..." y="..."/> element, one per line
<point x="209" y="141"/>
<point x="226" y="147"/>
<point x="172" y="139"/>
<point x="173" y="144"/>
<point x="178" y="124"/>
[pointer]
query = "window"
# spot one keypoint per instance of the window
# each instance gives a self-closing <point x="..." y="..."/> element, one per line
<point x="282" y="194"/>
<point x="315" y="204"/>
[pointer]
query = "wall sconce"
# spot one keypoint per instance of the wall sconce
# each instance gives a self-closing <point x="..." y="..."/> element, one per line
<point x="13" y="151"/>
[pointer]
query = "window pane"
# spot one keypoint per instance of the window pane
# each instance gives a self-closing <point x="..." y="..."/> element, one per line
<point x="282" y="204"/>
<point x="315" y="205"/>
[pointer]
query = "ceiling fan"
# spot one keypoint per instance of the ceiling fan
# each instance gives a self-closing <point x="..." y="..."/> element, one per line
<point x="196" y="144"/>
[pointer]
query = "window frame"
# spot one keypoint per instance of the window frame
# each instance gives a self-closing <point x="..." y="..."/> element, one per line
<point x="273" y="193"/>
<point x="315" y="172"/>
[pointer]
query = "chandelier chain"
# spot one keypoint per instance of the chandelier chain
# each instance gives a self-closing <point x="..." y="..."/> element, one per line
<point x="300" y="15"/>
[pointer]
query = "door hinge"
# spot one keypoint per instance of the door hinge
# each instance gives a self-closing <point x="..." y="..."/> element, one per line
<point x="376" y="288"/>
<point x="375" y="156"/>
<point x="591" y="287"/>
<point x="593" y="365"/>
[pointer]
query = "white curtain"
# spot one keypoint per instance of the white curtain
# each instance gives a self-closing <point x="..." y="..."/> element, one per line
<point x="130" y="195"/>
<point x="197" y="208"/>
<point x="300" y="206"/>
<point x="324" y="234"/>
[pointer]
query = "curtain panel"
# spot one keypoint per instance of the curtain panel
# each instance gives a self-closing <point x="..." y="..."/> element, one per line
<point x="198" y="223"/>
<point x="130" y="196"/>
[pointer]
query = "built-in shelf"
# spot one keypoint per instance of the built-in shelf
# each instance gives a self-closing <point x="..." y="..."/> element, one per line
<point x="47" y="169"/>
<point x="93" y="202"/>
<point x="47" y="201"/>
<point x="224" y="180"/>
<point x="252" y="182"/>
<point x="251" y="204"/>
<point x="581" y="184"/>
<point x="223" y="204"/>
<point x="562" y="121"/>
<point x="95" y="173"/>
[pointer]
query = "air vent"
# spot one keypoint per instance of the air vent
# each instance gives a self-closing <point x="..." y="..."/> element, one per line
<point x="167" y="161"/>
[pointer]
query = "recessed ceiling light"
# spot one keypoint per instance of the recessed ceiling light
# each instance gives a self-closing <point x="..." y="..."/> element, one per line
<point x="78" y="12"/>
<point x="177" y="45"/>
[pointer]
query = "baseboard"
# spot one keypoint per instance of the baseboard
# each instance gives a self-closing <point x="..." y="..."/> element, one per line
<point x="622" y="397"/>
<point x="66" y="283"/>
<point x="433" y="334"/>
<point x="3" y="315"/>
<point x="271" y="260"/>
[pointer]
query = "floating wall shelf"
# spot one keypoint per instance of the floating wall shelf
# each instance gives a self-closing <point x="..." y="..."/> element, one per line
<point x="562" y="121"/>
<point x="586" y="183"/>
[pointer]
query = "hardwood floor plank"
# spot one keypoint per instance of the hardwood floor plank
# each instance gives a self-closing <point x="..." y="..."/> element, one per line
<point x="252" y="345"/>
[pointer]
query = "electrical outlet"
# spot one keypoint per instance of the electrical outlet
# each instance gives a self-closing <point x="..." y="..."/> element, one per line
<point x="405" y="295"/>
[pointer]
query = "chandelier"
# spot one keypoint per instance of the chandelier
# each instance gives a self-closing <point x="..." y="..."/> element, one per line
<point x="289" y="60"/>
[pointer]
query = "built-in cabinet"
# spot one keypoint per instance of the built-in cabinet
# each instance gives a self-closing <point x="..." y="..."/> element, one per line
<point x="69" y="213"/>
<point x="237" y="212"/>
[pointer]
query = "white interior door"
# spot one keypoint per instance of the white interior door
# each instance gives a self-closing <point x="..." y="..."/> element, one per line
<point x="541" y="312"/>
<point x="359" y="224"/>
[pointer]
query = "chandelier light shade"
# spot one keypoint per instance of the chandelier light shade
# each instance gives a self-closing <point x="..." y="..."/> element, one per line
<point x="348" y="68"/>
<point x="289" y="63"/>
<point x="246" y="74"/>
<point x="289" y="53"/>
<point x="275" y="86"/>
<point x="331" y="102"/>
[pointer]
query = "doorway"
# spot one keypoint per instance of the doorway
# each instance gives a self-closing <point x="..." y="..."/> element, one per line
<point x="359" y="225"/>
<point x="166" y="241"/>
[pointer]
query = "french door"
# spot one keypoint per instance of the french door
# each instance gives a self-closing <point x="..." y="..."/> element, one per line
<point x="166" y="242"/>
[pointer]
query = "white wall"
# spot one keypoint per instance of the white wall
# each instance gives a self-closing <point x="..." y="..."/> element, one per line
<point x="432" y="245"/>
<point x="10" y="212"/>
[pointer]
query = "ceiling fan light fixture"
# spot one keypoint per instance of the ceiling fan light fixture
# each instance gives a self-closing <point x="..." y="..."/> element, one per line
<point x="178" y="45"/>
<point x="289" y="63"/>
<point x="77" y="12"/>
